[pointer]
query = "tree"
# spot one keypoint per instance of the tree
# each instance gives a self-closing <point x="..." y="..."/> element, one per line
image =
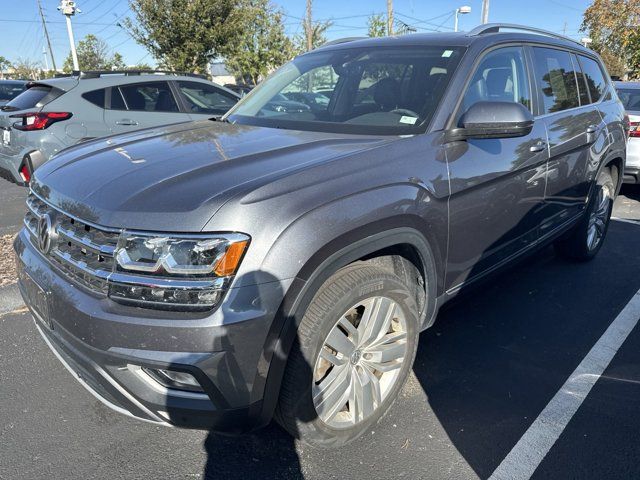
<point x="315" y="32"/>
<point x="615" y="66"/>
<point x="4" y="64"/>
<point x="261" y="45"/>
<point x="613" y="27"/>
<point x="377" y="26"/>
<point x="25" y="69"/>
<point x="183" y="35"/>
<point x="93" y="54"/>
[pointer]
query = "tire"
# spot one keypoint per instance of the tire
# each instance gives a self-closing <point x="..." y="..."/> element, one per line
<point x="345" y="298"/>
<point x="585" y="240"/>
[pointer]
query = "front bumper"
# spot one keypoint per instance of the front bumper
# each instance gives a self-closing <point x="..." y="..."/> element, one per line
<point x="106" y="345"/>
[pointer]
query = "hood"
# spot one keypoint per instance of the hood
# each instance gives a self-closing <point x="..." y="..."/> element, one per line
<point x="175" y="178"/>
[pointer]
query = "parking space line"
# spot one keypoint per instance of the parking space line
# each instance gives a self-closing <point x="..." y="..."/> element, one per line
<point x="533" y="446"/>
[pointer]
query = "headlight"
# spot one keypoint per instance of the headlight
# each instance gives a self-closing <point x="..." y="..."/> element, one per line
<point x="175" y="272"/>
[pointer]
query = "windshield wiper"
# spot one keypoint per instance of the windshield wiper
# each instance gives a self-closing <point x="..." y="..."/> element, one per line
<point x="8" y="108"/>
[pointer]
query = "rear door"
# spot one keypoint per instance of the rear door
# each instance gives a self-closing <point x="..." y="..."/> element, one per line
<point x="497" y="184"/>
<point x="574" y="127"/>
<point x="141" y="105"/>
<point x="205" y="100"/>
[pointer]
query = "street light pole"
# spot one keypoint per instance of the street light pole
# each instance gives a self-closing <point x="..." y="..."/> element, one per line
<point x="485" y="11"/>
<point x="460" y="11"/>
<point x="69" y="9"/>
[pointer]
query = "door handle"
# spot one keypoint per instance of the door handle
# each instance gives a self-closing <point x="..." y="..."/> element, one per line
<point x="126" y="121"/>
<point x="538" y="147"/>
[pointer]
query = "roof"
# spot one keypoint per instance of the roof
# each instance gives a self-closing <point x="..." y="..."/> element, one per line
<point x="486" y="34"/>
<point x="106" y="80"/>
<point x="219" y="69"/>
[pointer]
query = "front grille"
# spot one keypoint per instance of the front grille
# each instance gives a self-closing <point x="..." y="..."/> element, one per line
<point x="83" y="252"/>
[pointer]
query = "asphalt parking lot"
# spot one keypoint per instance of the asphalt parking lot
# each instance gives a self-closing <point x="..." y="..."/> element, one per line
<point x="494" y="362"/>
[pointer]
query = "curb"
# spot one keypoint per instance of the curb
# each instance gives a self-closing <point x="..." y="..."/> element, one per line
<point x="10" y="299"/>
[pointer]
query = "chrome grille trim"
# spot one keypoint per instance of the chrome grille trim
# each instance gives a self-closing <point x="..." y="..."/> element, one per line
<point x="85" y="242"/>
<point x="84" y="252"/>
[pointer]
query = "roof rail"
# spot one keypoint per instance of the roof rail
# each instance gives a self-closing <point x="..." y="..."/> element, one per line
<point x="342" y="40"/>
<point x="100" y="73"/>
<point x="496" y="27"/>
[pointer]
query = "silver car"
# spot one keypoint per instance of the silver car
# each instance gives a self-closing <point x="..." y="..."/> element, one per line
<point x="54" y="114"/>
<point x="629" y="93"/>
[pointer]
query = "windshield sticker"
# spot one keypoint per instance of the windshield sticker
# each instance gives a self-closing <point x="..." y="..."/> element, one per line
<point x="447" y="53"/>
<point x="409" y="120"/>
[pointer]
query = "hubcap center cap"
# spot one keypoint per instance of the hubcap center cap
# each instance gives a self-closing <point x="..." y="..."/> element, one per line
<point x="355" y="357"/>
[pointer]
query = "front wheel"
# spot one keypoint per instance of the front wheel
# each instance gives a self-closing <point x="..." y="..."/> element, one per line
<point x="587" y="237"/>
<point x="355" y="348"/>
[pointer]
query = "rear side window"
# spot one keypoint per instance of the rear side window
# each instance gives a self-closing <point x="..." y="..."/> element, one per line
<point x="500" y="77"/>
<point x="96" y="97"/>
<point x="205" y="98"/>
<point x="556" y="79"/>
<point x="596" y="83"/>
<point x="148" y="97"/>
<point x="30" y="98"/>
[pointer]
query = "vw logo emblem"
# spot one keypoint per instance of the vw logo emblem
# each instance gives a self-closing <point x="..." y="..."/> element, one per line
<point x="46" y="233"/>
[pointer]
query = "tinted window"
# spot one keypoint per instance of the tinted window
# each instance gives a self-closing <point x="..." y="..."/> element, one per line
<point x="117" y="102"/>
<point x="630" y="98"/>
<point x="204" y="98"/>
<point x="10" y="90"/>
<point x="96" y="97"/>
<point x="366" y="90"/>
<point x="500" y="77"/>
<point x="149" y="97"/>
<point x="556" y="79"/>
<point x="29" y="98"/>
<point x="595" y="80"/>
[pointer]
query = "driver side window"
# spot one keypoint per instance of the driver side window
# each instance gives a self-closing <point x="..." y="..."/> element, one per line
<point x="500" y="77"/>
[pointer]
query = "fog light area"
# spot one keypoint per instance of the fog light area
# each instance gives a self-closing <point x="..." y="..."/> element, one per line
<point x="175" y="380"/>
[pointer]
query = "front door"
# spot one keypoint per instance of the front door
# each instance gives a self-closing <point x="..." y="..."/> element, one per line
<point x="497" y="185"/>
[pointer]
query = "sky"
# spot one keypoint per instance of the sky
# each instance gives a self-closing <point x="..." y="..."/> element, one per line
<point x="21" y="33"/>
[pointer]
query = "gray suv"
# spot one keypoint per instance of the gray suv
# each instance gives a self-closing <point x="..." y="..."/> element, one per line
<point x="213" y="274"/>
<point x="52" y="115"/>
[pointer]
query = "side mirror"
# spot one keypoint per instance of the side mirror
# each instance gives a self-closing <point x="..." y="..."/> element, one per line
<point x="493" y="120"/>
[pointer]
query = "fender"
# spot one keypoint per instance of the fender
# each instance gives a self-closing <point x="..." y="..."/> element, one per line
<point x="338" y="253"/>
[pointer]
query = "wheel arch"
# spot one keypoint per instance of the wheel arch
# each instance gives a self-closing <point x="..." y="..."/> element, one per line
<point x="344" y="250"/>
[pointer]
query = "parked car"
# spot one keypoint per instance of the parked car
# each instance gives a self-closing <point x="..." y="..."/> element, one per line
<point x="240" y="88"/>
<point x="210" y="274"/>
<point x="54" y="114"/>
<point x="10" y="89"/>
<point x="629" y="93"/>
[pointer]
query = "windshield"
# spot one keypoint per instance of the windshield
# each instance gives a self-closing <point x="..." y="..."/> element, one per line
<point x="367" y="90"/>
<point x="630" y="98"/>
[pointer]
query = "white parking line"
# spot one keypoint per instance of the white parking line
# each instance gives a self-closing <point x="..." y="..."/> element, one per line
<point x="534" y="445"/>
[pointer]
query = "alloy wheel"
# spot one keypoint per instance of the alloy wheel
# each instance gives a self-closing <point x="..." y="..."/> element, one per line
<point x="359" y="362"/>
<point x="599" y="215"/>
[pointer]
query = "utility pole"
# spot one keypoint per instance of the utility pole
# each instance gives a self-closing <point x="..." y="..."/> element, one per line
<point x="69" y="9"/>
<point x="485" y="11"/>
<point x="389" y="17"/>
<point x="46" y="34"/>
<point x="309" y="26"/>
